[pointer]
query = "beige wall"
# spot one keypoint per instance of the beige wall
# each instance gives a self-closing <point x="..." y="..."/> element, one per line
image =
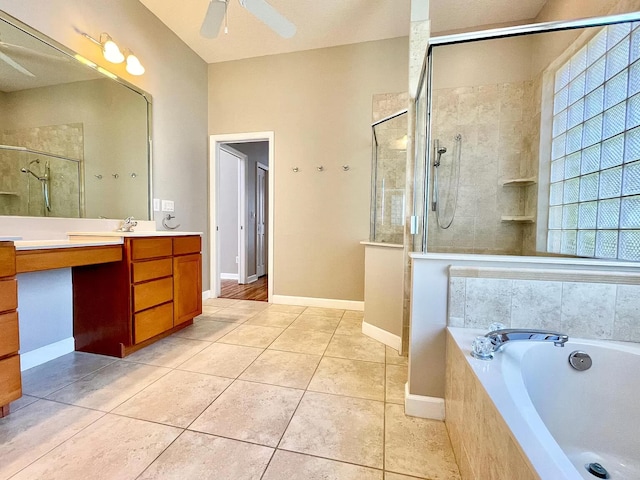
<point x="176" y="78"/>
<point x="318" y="103"/>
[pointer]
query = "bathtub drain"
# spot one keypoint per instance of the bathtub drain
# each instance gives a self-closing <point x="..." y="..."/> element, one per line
<point x="597" y="470"/>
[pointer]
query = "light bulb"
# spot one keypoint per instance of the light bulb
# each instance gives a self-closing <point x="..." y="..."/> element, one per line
<point x="112" y="52"/>
<point x="134" y="67"/>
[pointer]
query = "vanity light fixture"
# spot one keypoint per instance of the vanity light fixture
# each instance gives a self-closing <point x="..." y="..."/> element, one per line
<point x="113" y="54"/>
<point x="110" y="49"/>
<point x="134" y="67"/>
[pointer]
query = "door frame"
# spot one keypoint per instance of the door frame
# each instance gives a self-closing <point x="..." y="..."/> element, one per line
<point x="265" y="168"/>
<point x="242" y="209"/>
<point x="214" y="175"/>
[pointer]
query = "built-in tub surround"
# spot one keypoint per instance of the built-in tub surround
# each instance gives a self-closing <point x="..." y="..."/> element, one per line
<point x="587" y="304"/>
<point x="429" y="307"/>
<point x="503" y="405"/>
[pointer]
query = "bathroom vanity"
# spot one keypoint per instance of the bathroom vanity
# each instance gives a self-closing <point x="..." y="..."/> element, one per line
<point x="10" y="381"/>
<point x="153" y="291"/>
<point x="130" y="289"/>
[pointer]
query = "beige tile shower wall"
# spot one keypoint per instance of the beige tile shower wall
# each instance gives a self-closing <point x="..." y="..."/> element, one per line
<point x="497" y="123"/>
<point x="582" y="304"/>
<point x="64" y="185"/>
<point x="481" y="440"/>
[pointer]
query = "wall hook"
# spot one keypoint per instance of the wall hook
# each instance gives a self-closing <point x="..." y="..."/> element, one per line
<point x="115" y="175"/>
<point x="320" y="168"/>
<point x="345" y="168"/>
<point x="295" y="169"/>
<point x="99" y="177"/>
<point x="134" y="175"/>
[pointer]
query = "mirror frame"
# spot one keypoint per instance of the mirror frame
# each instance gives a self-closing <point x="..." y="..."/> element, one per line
<point x="426" y="79"/>
<point x="107" y="74"/>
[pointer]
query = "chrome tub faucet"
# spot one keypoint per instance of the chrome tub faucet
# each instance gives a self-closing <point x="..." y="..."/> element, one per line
<point x="484" y="347"/>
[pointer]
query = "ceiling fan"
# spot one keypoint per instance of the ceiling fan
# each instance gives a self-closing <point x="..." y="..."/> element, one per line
<point x="260" y="9"/>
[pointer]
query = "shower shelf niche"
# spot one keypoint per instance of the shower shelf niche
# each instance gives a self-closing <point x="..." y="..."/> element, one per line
<point x="518" y="218"/>
<point x="520" y="182"/>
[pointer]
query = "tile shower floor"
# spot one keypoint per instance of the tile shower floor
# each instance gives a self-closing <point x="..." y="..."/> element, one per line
<point x="249" y="391"/>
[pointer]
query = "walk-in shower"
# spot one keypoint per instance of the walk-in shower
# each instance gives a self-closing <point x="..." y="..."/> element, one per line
<point x="38" y="183"/>
<point x="446" y="181"/>
<point x="388" y="178"/>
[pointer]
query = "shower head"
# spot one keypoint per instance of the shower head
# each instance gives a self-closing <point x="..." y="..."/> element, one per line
<point x="26" y="170"/>
<point x="442" y="150"/>
<point x="37" y="160"/>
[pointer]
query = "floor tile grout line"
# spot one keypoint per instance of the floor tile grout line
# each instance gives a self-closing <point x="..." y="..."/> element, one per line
<point x="63" y="441"/>
<point x="305" y="392"/>
<point x="76" y="380"/>
<point x="331" y="459"/>
<point x="160" y="454"/>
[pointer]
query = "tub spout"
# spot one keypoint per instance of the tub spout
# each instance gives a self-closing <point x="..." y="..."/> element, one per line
<point x="495" y="340"/>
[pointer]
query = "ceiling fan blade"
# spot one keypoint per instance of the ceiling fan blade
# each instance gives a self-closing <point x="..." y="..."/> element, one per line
<point x="25" y="51"/>
<point x="270" y="16"/>
<point x="213" y="18"/>
<point x="11" y="62"/>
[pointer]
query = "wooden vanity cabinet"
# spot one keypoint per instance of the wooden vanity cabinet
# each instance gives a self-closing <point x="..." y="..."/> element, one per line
<point x="10" y="380"/>
<point x="154" y="291"/>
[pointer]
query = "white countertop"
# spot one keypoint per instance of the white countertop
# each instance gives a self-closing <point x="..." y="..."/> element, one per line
<point x="41" y="244"/>
<point x="135" y="233"/>
<point x="381" y="244"/>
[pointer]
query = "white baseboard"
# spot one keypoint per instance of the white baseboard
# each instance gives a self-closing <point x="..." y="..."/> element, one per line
<point x="48" y="352"/>
<point x="252" y="278"/>
<point x="318" y="302"/>
<point x="206" y="295"/>
<point x="423" y="406"/>
<point x="228" y="276"/>
<point x="377" y="333"/>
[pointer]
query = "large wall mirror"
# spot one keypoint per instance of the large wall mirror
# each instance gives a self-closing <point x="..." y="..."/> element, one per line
<point x="534" y="145"/>
<point x="74" y="138"/>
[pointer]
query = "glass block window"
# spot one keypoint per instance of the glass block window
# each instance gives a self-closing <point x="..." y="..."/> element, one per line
<point x="594" y="196"/>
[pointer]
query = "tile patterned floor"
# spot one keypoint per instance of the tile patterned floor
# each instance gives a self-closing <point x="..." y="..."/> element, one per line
<point x="250" y="391"/>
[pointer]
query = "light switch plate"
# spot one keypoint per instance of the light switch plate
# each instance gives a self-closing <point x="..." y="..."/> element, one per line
<point x="156" y="204"/>
<point x="167" y="206"/>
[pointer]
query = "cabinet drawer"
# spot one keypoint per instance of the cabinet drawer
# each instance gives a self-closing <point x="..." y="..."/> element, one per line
<point x="150" y="294"/>
<point x="8" y="294"/>
<point x="10" y="382"/>
<point x="7" y="260"/>
<point x="9" y="339"/>
<point x="142" y="248"/>
<point x="185" y="245"/>
<point x="152" y="322"/>
<point x="143" y="271"/>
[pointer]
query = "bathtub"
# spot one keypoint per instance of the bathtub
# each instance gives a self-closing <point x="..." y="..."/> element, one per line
<point x="563" y="419"/>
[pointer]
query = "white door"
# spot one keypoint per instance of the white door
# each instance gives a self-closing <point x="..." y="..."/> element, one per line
<point x="261" y="195"/>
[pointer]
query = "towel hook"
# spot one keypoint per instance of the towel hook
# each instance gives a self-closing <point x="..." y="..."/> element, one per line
<point x="345" y="168"/>
<point x="295" y="169"/>
<point x="320" y="168"/>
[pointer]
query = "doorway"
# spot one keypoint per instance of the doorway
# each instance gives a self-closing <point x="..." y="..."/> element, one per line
<point x="250" y="156"/>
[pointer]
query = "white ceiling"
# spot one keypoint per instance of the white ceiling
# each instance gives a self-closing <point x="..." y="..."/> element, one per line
<point x="327" y="23"/>
<point x="321" y="23"/>
<point x="449" y="15"/>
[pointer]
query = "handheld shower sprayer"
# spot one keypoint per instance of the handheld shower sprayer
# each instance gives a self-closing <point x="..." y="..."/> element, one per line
<point x="440" y="151"/>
